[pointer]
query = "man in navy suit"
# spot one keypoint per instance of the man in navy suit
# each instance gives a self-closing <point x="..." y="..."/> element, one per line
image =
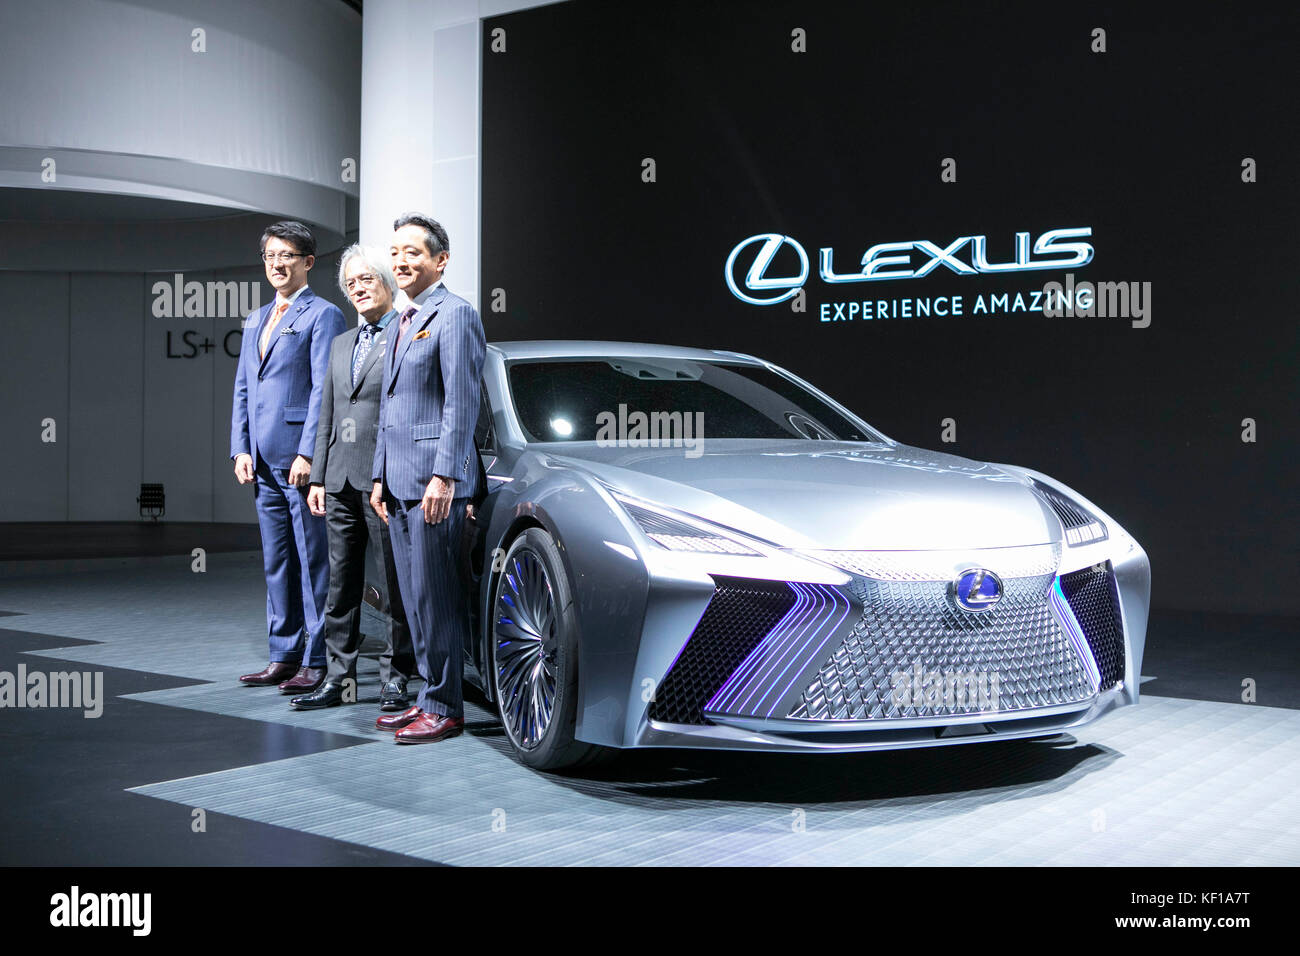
<point x="283" y="364"/>
<point x="425" y="469"/>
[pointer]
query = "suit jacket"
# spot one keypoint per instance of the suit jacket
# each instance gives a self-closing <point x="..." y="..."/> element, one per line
<point x="340" y="456"/>
<point x="430" y="400"/>
<point x="278" y="397"/>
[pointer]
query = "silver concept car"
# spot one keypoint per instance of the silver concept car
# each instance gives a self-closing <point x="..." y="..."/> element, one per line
<point x="692" y="548"/>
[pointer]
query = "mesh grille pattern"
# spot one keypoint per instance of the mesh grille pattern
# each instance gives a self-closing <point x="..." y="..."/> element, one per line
<point x="739" y="615"/>
<point x="905" y="624"/>
<point x="1095" y="603"/>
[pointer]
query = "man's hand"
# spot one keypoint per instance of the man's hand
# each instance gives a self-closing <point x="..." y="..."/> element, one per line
<point x="244" y="468"/>
<point x="436" y="503"/>
<point x="316" y="500"/>
<point x="377" y="501"/>
<point x="300" y="472"/>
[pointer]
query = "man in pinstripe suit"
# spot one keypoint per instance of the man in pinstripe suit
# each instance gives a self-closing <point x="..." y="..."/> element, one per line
<point x="424" y="471"/>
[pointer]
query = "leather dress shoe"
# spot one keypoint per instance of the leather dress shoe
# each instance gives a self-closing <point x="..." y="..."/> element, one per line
<point x="398" y="721"/>
<point x="393" y="696"/>
<point x="275" y="672"/>
<point x="304" y="682"/>
<point x="329" y="694"/>
<point x="429" y="728"/>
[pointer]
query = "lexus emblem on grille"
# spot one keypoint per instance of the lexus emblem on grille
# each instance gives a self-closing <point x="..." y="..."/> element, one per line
<point x="977" y="589"/>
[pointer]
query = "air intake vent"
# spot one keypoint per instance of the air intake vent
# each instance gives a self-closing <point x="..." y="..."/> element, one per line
<point x="739" y="615"/>
<point x="1095" y="602"/>
<point x="1081" y="527"/>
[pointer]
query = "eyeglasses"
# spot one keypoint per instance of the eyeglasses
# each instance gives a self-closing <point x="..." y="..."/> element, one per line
<point x="366" y="279"/>
<point x="281" y="256"/>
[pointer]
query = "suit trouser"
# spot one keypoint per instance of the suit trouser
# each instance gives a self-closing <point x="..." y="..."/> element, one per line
<point x="351" y="522"/>
<point x="295" y="557"/>
<point x="428" y="571"/>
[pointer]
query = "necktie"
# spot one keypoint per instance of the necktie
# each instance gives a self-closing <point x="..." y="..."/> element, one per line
<point x="364" y="341"/>
<point x="276" y="314"/>
<point x="402" y="326"/>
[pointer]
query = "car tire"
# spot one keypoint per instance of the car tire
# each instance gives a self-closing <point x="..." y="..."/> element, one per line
<point x="534" y="642"/>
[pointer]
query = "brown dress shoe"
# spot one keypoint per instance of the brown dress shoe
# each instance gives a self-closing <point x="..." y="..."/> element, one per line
<point x="275" y="672"/>
<point x="304" y="682"/>
<point x="398" y="721"/>
<point x="428" y="729"/>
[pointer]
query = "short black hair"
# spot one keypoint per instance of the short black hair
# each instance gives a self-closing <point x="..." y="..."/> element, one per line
<point x="292" y="232"/>
<point x="435" y="237"/>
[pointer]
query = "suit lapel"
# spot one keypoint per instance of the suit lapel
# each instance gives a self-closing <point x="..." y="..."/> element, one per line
<point x="341" y="362"/>
<point x="286" y="322"/>
<point x="419" y="321"/>
<point x="262" y="315"/>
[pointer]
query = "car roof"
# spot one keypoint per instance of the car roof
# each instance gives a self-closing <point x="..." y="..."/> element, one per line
<point x="586" y="348"/>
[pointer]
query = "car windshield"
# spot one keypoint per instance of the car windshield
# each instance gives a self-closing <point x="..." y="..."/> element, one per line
<point x="640" y="398"/>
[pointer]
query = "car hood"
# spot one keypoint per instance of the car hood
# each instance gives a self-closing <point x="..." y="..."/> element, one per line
<point x="837" y="495"/>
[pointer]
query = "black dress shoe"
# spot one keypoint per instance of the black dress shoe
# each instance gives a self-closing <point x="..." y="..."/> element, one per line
<point x="329" y="694"/>
<point x="393" y="696"/>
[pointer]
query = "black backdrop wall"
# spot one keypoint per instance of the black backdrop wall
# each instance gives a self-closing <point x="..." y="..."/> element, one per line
<point x="841" y="146"/>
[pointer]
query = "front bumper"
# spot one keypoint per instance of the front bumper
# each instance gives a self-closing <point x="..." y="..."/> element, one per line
<point x="820" y="669"/>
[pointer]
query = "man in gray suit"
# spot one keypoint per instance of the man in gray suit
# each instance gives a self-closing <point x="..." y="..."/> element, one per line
<point x="340" y="490"/>
<point x="427" y="469"/>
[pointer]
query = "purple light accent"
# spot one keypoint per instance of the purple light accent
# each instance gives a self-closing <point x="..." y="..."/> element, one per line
<point x="1074" y="631"/>
<point x="782" y="649"/>
<point x="744" y="675"/>
<point x="836" y="597"/>
<point x="767" y="656"/>
<point x="776" y="654"/>
<point x="740" y="673"/>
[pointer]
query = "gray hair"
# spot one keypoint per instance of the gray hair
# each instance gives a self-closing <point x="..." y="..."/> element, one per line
<point x="374" y="260"/>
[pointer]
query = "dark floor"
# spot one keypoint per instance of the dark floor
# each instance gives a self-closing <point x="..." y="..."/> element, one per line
<point x="64" y="786"/>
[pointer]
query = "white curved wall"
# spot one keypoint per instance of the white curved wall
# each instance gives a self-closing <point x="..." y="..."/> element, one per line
<point x="115" y="93"/>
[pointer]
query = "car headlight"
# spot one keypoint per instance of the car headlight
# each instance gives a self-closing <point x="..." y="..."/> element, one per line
<point x="1081" y="526"/>
<point x="678" y="535"/>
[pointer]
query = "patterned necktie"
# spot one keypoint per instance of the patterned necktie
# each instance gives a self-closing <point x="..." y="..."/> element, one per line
<point x="402" y="326"/>
<point x="364" y="341"/>
<point x="276" y="315"/>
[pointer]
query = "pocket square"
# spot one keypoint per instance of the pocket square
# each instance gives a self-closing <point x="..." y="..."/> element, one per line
<point x="421" y="335"/>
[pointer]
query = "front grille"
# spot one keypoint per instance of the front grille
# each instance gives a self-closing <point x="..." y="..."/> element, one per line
<point x="739" y="615"/>
<point x="1094" y="600"/>
<point x="948" y="661"/>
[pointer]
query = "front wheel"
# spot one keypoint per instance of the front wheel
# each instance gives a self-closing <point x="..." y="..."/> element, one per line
<point x="535" y="655"/>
